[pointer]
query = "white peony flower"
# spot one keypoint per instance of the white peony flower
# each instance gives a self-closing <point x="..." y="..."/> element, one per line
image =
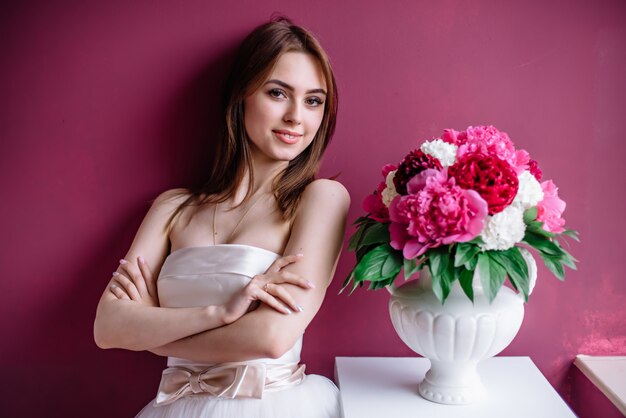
<point x="444" y="152"/>
<point x="390" y="191"/>
<point x="503" y="230"/>
<point x="529" y="192"/>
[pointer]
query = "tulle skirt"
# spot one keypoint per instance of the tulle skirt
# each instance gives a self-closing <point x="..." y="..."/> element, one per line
<point x="314" y="397"/>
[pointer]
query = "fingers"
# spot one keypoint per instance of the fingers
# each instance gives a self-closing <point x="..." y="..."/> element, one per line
<point x="292" y="278"/>
<point x="271" y="301"/>
<point x="147" y="274"/>
<point x="267" y="287"/>
<point x="284" y="261"/>
<point x="128" y="286"/>
<point x="281" y="293"/>
<point x="136" y="275"/>
<point x="118" y="292"/>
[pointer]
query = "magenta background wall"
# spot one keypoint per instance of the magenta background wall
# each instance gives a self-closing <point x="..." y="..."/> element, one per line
<point x="105" y="104"/>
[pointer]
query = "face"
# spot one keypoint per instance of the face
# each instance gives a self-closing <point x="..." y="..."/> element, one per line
<point x="284" y="114"/>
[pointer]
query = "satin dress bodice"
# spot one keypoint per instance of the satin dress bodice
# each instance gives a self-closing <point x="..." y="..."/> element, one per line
<point x="261" y="388"/>
<point x="211" y="275"/>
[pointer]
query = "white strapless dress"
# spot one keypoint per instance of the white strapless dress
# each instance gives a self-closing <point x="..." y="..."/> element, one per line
<point x="262" y="388"/>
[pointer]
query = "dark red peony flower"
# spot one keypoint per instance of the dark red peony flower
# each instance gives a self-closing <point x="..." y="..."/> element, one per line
<point x="413" y="164"/>
<point x="534" y="169"/>
<point x="494" y="179"/>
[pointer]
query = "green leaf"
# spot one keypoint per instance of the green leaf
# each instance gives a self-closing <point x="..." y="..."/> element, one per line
<point x="368" y="232"/>
<point x="516" y="268"/>
<point x="471" y="265"/>
<point x="542" y="244"/>
<point x="492" y="275"/>
<point x="537" y="228"/>
<point x="572" y="234"/>
<point x="376" y="234"/>
<point x="355" y="239"/>
<point x="554" y="265"/>
<point x="363" y="250"/>
<point x="465" y="280"/>
<point x="347" y="281"/>
<point x="441" y="287"/>
<point x="530" y="214"/>
<point x="437" y="258"/>
<point x="410" y="268"/>
<point x="363" y="224"/>
<point x="363" y="220"/>
<point x="371" y="264"/>
<point x="442" y="272"/>
<point x="478" y="241"/>
<point x="464" y="253"/>
<point x="568" y="260"/>
<point x="376" y="262"/>
<point x="392" y="265"/>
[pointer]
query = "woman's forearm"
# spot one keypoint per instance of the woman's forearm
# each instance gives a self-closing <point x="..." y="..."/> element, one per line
<point x="130" y="325"/>
<point x="255" y="335"/>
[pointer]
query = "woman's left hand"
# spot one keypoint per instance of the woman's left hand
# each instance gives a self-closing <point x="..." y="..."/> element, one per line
<point x="135" y="282"/>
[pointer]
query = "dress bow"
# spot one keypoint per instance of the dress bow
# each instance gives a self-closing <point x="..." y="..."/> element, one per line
<point x="227" y="380"/>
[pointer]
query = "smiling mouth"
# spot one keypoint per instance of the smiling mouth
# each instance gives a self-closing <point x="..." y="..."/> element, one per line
<point x="287" y="137"/>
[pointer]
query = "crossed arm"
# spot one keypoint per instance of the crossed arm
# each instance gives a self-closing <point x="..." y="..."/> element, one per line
<point x="202" y="333"/>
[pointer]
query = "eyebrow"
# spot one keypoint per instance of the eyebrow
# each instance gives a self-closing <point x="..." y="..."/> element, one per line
<point x="290" y="88"/>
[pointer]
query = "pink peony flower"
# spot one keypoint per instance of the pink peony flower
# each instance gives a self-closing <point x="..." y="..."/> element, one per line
<point x="373" y="204"/>
<point x="494" y="179"/>
<point x="487" y="140"/>
<point x="550" y="209"/>
<point x="388" y="168"/>
<point x="522" y="161"/>
<point x="452" y="137"/>
<point x="435" y="212"/>
<point x="533" y="167"/>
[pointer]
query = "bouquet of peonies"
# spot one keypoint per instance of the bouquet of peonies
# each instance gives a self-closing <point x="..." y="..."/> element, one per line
<point x="468" y="199"/>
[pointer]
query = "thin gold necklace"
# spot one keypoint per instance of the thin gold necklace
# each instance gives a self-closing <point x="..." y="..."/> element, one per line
<point x="238" y="222"/>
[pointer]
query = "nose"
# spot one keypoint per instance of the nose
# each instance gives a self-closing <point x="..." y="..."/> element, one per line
<point x="293" y="114"/>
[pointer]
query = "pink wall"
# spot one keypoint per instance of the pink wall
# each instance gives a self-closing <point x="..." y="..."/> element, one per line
<point x="105" y="104"/>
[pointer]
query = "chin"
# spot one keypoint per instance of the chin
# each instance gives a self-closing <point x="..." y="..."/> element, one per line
<point x="285" y="155"/>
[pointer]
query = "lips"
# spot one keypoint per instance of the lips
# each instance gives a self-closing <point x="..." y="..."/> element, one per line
<point x="288" y="137"/>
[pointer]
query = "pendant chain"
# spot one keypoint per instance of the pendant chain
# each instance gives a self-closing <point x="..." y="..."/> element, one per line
<point x="238" y="222"/>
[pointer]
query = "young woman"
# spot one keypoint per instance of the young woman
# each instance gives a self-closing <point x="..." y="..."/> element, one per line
<point x="224" y="280"/>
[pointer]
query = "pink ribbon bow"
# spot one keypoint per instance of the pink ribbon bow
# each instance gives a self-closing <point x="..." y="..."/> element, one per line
<point x="228" y="380"/>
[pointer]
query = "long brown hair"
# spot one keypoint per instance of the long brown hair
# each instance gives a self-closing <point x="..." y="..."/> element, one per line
<point x="253" y="63"/>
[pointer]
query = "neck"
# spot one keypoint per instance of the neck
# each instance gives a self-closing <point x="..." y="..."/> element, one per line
<point x="265" y="170"/>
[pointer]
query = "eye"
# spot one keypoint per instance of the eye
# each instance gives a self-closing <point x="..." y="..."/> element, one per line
<point x="277" y="93"/>
<point x="314" y="101"/>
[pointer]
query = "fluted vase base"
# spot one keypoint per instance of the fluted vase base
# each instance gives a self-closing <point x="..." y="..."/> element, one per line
<point x="452" y="383"/>
<point x="456" y="335"/>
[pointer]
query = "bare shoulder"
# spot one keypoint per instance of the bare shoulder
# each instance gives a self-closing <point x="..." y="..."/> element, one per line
<point x="164" y="206"/>
<point x="325" y="193"/>
<point x="167" y="202"/>
<point x="172" y="198"/>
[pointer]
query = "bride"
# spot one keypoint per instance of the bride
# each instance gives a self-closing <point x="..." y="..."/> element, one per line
<point x="223" y="280"/>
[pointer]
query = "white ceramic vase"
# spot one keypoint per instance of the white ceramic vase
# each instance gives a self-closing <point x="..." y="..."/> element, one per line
<point x="457" y="335"/>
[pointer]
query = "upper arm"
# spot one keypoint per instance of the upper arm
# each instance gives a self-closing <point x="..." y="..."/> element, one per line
<point x="317" y="232"/>
<point x="151" y="240"/>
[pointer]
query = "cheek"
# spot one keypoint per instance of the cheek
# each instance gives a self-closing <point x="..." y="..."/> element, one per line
<point x="253" y="118"/>
<point x="315" y="122"/>
<point x="261" y="112"/>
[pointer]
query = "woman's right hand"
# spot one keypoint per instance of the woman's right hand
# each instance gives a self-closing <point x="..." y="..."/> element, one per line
<point x="266" y="288"/>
